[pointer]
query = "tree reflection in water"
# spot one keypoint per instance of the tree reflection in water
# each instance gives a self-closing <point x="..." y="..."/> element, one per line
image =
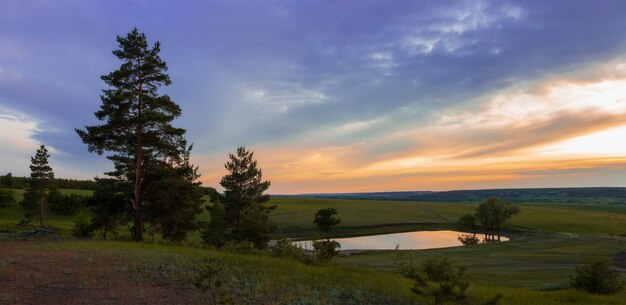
<point x="472" y="239"/>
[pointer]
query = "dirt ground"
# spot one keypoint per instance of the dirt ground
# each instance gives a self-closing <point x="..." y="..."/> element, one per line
<point x="33" y="275"/>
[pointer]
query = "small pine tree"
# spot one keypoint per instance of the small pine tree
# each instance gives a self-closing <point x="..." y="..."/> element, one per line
<point x="210" y="278"/>
<point x="40" y="185"/>
<point x="437" y="278"/>
<point x="218" y="231"/>
<point x="246" y="214"/>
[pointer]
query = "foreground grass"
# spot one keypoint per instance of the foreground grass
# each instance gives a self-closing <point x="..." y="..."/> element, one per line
<point x="153" y="269"/>
<point x="538" y="261"/>
<point x="249" y="279"/>
<point x="534" y="268"/>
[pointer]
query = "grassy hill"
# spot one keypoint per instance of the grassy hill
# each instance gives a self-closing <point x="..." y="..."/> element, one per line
<point x="548" y="241"/>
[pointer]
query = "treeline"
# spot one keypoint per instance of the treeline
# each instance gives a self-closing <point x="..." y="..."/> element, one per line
<point x="8" y="181"/>
<point x="607" y="195"/>
<point x="11" y="182"/>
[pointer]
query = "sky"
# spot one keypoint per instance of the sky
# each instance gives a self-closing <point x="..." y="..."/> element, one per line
<point x="338" y="96"/>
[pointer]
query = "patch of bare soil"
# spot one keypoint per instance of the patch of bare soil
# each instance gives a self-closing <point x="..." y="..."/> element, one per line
<point x="31" y="275"/>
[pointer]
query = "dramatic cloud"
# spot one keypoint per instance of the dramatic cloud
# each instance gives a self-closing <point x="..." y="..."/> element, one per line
<point x="343" y="96"/>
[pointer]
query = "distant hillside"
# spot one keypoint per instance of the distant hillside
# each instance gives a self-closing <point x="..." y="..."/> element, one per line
<point x="540" y="195"/>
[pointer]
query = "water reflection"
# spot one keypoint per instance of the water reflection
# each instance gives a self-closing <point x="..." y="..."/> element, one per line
<point x="417" y="240"/>
<point x="472" y="239"/>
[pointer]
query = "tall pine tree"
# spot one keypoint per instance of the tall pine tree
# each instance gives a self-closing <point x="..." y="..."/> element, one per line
<point x="137" y="119"/>
<point x="40" y="184"/>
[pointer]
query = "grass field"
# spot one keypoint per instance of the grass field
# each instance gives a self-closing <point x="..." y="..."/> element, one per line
<point x="295" y="216"/>
<point x="533" y="268"/>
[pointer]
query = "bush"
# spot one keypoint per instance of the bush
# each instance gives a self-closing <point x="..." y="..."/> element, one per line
<point x="598" y="278"/>
<point x="467" y="221"/>
<point x="209" y="278"/>
<point x="65" y="204"/>
<point x="325" y="250"/>
<point x="287" y="249"/>
<point x="82" y="225"/>
<point x="7" y="198"/>
<point x="436" y="278"/>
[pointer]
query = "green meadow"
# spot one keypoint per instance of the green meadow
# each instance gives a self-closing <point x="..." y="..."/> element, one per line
<point x="547" y="242"/>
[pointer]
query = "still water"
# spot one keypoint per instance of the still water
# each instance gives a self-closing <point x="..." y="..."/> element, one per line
<point x="416" y="240"/>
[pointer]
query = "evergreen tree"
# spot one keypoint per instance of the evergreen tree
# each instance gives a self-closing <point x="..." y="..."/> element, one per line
<point x="108" y="206"/>
<point x="244" y="208"/>
<point x="437" y="278"/>
<point x="137" y="120"/>
<point x="7" y="198"/>
<point x="40" y="186"/>
<point x="219" y="230"/>
<point x="6" y="180"/>
<point x="173" y="197"/>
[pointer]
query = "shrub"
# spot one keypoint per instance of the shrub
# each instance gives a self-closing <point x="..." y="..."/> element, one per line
<point x="436" y="278"/>
<point x="467" y="221"/>
<point x="325" y="250"/>
<point x="7" y="198"/>
<point x="287" y="249"/>
<point x="82" y="225"/>
<point x="209" y="278"/>
<point x="65" y="204"/>
<point x="598" y="278"/>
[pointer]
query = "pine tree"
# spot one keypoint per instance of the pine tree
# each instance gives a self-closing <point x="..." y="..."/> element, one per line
<point x="244" y="201"/>
<point x="107" y="205"/>
<point x="173" y="197"/>
<point x="40" y="185"/>
<point x="137" y="120"/>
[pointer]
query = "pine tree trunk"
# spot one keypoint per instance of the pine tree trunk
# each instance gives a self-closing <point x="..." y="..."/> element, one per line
<point x="237" y="225"/>
<point x="138" y="234"/>
<point x="41" y="212"/>
<point x="138" y="163"/>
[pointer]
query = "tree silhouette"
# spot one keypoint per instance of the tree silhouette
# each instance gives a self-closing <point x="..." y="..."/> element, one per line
<point x="137" y="120"/>
<point x="40" y="185"/>
<point x="244" y="200"/>
<point x="325" y="221"/>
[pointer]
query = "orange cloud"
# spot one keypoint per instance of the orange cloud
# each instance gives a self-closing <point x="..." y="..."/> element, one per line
<point x="516" y="138"/>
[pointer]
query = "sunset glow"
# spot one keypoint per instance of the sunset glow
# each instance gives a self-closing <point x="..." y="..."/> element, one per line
<point x="471" y="94"/>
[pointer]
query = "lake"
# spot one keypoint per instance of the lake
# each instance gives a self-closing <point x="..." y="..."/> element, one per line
<point x="417" y="240"/>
